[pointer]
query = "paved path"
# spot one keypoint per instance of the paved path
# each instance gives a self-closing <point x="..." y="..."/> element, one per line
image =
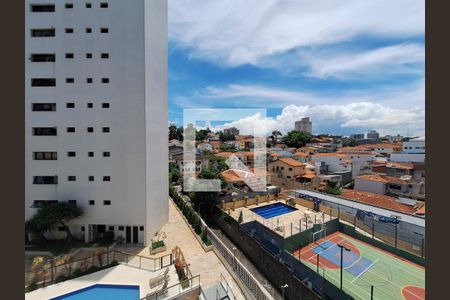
<point x="207" y="264"/>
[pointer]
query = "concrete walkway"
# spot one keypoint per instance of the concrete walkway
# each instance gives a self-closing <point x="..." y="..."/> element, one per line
<point x="207" y="264"/>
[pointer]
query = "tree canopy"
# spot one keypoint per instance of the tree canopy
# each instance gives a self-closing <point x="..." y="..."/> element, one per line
<point x="297" y="139"/>
<point x="51" y="216"/>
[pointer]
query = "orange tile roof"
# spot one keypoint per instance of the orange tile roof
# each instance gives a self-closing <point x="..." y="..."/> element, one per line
<point x="301" y="154"/>
<point x="382" y="178"/>
<point x="377" y="200"/>
<point x="396" y="165"/>
<point x="331" y="154"/>
<point x="275" y="155"/>
<point x="421" y="210"/>
<point x="291" y="162"/>
<point x="224" y="154"/>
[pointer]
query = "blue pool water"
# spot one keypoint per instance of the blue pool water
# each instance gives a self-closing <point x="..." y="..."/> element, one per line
<point x="273" y="210"/>
<point x="103" y="292"/>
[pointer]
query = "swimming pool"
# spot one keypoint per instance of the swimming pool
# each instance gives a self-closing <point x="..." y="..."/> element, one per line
<point x="103" y="292"/>
<point x="273" y="210"/>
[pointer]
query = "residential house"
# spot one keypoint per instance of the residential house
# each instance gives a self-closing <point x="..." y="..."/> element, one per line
<point x="175" y="143"/>
<point x="200" y="163"/>
<point x="205" y="147"/>
<point x="389" y="185"/>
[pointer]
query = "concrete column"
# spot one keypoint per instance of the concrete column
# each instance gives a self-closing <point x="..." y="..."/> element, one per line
<point x="86" y="233"/>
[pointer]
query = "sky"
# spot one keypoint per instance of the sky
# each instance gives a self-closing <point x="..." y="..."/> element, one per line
<point x="349" y="65"/>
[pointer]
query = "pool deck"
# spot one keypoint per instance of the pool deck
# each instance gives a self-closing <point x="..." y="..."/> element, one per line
<point x="120" y="275"/>
<point x="282" y="224"/>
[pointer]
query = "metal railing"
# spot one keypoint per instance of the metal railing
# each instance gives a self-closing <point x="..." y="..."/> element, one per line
<point x="51" y="270"/>
<point x="175" y="290"/>
<point x="256" y="288"/>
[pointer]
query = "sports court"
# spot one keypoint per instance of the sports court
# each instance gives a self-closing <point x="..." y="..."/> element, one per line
<point x="364" y="265"/>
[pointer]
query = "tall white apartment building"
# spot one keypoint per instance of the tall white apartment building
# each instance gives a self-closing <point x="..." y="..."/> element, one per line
<point x="304" y="125"/>
<point x="96" y="117"/>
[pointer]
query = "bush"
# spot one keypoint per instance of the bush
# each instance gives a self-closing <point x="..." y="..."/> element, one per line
<point x="114" y="263"/>
<point x="61" y="278"/>
<point x="77" y="273"/>
<point x="91" y="269"/>
<point x="157" y="244"/>
<point x="31" y="287"/>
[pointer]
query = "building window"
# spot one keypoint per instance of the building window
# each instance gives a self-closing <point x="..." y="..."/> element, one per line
<point x="41" y="155"/>
<point x="106" y="202"/>
<point x="45" y="131"/>
<point x="141" y="228"/>
<point x="69" y="55"/>
<point x="105" y="129"/>
<point x="43" y="106"/>
<point x="290" y="169"/>
<point x="70" y="80"/>
<point x="61" y="228"/>
<point x="42" y="57"/>
<point x="71" y="154"/>
<point x="105" y="105"/>
<point x="91" y="178"/>
<point x="88" y="80"/>
<point x="45" y="179"/>
<point x="42" y="203"/>
<point x="104" y="55"/>
<point x="111" y="228"/>
<point x="106" y="178"/>
<point x="69" y="30"/>
<point x="90" y="105"/>
<point x="43" y="81"/>
<point x="90" y="154"/>
<point x="121" y="228"/>
<point x="82" y="228"/>
<point x="48" y="32"/>
<point x="88" y="55"/>
<point x="105" y="80"/>
<point x="74" y="202"/>
<point x="90" y="129"/>
<point x="42" y="7"/>
<point x="88" y="30"/>
<point x="103" y="4"/>
<point x="70" y="105"/>
<point x="68" y="5"/>
<point x="104" y="30"/>
<point x="106" y="154"/>
<point x="91" y="202"/>
<point x="70" y="129"/>
<point x="72" y="178"/>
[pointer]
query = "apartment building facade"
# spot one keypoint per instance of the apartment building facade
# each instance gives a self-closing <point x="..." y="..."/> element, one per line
<point x="96" y="127"/>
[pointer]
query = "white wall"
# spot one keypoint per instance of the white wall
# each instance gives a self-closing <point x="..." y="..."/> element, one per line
<point x="407" y="157"/>
<point x="137" y="117"/>
<point x="370" y="186"/>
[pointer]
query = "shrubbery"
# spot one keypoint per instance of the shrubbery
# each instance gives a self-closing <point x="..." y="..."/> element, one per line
<point x="188" y="212"/>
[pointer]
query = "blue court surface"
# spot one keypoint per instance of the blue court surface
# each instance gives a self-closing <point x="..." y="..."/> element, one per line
<point x="273" y="210"/>
<point x="352" y="262"/>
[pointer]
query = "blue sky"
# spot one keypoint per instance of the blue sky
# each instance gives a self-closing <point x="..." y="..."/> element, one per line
<point x="349" y="65"/>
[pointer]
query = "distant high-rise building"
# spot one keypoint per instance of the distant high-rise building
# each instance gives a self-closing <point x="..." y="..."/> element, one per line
<point x="373" y="134"/>
<point x="304" y="125"/>
<point x="357" y="136"/>
<point x="231" y="131"/>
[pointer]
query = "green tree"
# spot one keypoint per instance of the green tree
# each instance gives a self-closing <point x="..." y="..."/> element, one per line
<point x="297" y="139"/>
<point x="174" y="173"/>
<point x="53" y="215"/>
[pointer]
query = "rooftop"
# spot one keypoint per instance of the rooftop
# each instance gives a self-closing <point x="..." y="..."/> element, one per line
<point x="382" y="178"/>
<point x="290" y="161"/>
<point x="377" y="200"/>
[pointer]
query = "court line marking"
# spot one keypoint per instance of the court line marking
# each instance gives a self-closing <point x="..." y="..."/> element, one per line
<point x="393" y="283"/>
<point x="365" y="270"/>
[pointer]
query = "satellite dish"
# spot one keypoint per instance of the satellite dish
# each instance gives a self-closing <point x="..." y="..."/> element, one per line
<point x="406" y="177"/>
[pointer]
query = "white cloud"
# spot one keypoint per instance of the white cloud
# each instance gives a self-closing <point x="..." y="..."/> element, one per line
<point x="355" y="117"/>
<point x="261" y="96"/>
<point x="396" y="59"/>
<point x="235" y="32"/>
